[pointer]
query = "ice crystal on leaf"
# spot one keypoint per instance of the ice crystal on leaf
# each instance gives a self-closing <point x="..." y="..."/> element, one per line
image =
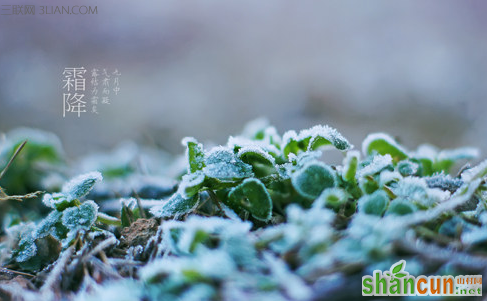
<point x="81" y="185"/>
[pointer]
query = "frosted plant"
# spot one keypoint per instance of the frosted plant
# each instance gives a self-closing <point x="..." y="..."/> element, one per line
<point x="263" y="217"/>
<point x="69" y="216"/>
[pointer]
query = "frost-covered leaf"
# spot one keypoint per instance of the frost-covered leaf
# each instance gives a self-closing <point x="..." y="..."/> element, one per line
<point x="26" y="250"/>
<point x="368" y="185"/>
<point x="83" y="216"/>
<point x="191" y="184"/>
<point x="477" y="172"/>
<point x="255" y="129"/>
<point x="383" y="144"/>
<point x="415" y="189"/>
<point x="176" y="205"/>
<point x="294" y="286"/>
<point x="407" y="168"/>
<point x="400" y="206"/>
<point x="129" y="211"/>
<point x="376" y="165"/>
<point x="207" y="266"/>
<point x="51" y="224"/>
<point x="252" y="196"/>
<point x="388" y="177"/>
<point x="375" y="203"/>
<point x="454" y="226"/>
<point x="474" y="237"/>
<point x="446" y="158"/>
<point x="350" y="164"/>
<point x="444" y="182"/>
<point x="58" y="201"/>
<point x="81" y="185"/>
<point x="320" y="135"/>
<point x="222" y="164"/>
<point x="312" y="139"/>
<point x="331" y="197"/>
<point x="121" y="162"/>
<point x="194" y="154"/>
<point x="34" y="253"/>
<point x="262" y="163"/>
<point x="313" y="178"/>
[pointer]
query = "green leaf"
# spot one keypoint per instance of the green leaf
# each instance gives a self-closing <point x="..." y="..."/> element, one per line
<point x="312" y="139"/>
<point x="401" y="206"/>
<point x="223" y="165"/>
<point x="383" y="144"/>
<point x="191" y="184"/>
<point x="81" y="185"/>
<point x="374" y="165"/>
<point x="26" y="250"/>
<point x="252" y="196"/>
<point x="332" y="198"/>
<point x="263" y="164"/>
<point x="36" y="254"/>
<point x="48" y="224"/>
<point x="477" y="172"/>
<point x="41" y="156"/>
<point x="446" y="158"/>
<point x="325" y="135"/>
<point x="129" y="212"/>
<point x="108" y="219"/>
<point x="375" y="203"/>
<point x="400" y="275"/>
<point x="58" y="201"/>
<point x="313" y="178"/>
<point x="194" y="154"/>
<point x="407" y="168"/>
<point x="175" y="206"/>
<point x="350" y="164"/>
<point x="398" y="266"/>
<point x="83" y="216"/>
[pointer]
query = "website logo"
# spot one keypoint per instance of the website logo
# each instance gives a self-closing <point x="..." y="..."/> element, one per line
<point x="398" y="282"/>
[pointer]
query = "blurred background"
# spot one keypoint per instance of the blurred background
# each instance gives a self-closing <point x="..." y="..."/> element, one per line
<point x="415" y="69"/>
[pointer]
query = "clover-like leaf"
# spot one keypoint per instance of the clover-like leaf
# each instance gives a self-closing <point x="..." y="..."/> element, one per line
<point x="83" y="216"/>
<point x="252" y="196"/>
<point x="191" y="184"/>
<point x="350" y="164"/>
<point x="223" y="165"/>
<point x="314" y="177"/>
<point x="383" y="144"/>
<point x="262" y="162"/>
<point x="374" y="165"/>
<point x="401" y="206"/>
<point x="477" y="172"/>
<point x="49" y="224"/>
<point x="331" y="197"/>
<point x="58" y="201"/>
<point x="407" y="168"/>
<point x="26" y="250"/>
<point x="81" y="185"/>
<point x="194" y="154"/>
<point x="312" y="139"/>
<point x="375" y="203"/>
<point x="176" y="205"/>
